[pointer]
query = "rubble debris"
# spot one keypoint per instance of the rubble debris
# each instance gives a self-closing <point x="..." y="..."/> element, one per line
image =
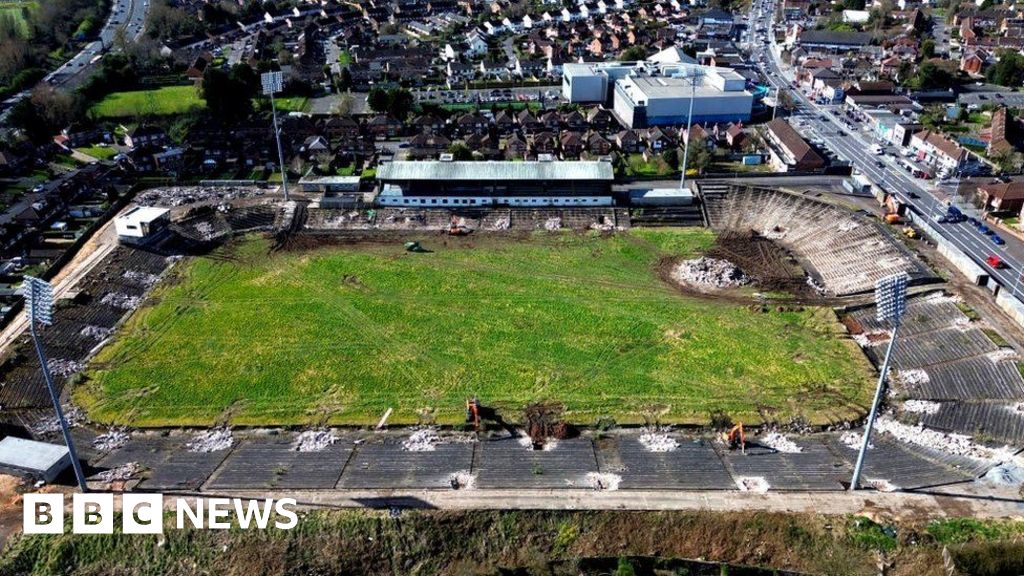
<point x="752" y="484"/>
<point x="121" y="300"/>
<point x="462" y="480"/>
<point x="213" y="440"/>
<point x="315" y="440"/>
<point x="553" y="224"/>
<point x="1003" y="354"/>
<point x="63" y="368"/>
<point x="869" y="339"/>
<point x="709" y="272"/>
<point x="502" y="223"/>
<point x="123" y="472"/>
<point x="603" y="480"/>
<point x="656" y="441"/>
<point x="882" y="485"/>
<point x="956" y="444"/>
<point x="853" y="440"/>
<point x="544" y="422"/>
<point x="50" y="424"/>
<point x="181" y="195"/>
<point x="912" y="377"/>
<point x="774" y="233"/>
<point x="143" y="279"/>
<point x="112" y="439"/>
<point x="548" y="443"/>
<point x="422" y="440"/>
<point x="847" y="225"/>
<point x="921" y="407"/>
<point x="779" y="443"/>
<point x="1007" y="474"/>
<point x="95" y="332"/>
<point x="818" y="288"/>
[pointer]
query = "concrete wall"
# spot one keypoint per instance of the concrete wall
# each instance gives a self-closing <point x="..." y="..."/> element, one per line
<point x="1010" y="305"/>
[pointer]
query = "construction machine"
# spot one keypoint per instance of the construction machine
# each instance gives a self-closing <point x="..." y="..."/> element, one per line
<point x="737" y="438"/>
<point x="910" y="232"/>
<point x="473" y="413"/>
<point x="458" y="227"/>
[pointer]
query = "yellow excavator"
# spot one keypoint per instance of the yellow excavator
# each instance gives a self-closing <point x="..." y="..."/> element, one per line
<point x="736" y="438"/>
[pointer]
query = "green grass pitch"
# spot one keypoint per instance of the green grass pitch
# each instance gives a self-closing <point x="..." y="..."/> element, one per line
<point x="340" y="334"/>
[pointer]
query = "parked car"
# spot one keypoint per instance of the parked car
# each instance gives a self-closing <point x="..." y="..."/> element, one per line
<point x="997" y="240"/>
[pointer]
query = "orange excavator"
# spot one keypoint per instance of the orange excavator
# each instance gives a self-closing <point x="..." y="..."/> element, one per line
<point x="736" y="438"/>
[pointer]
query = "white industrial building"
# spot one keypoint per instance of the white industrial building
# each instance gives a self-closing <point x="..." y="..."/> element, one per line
<point x="140" y="222"/>
<point x="534" y="184"/>
<point x="657" y="92"/>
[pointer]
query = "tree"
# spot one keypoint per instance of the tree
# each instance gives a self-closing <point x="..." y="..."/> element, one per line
<point x="931" y="77"/>
<point x="1009" y="71"/>
<point x="378" y="100"/>
<point x="624" y="567"/>
<point x="928" y="49"/>
<point x="229" y="94"/>
<point x="671" y="158"/>
<point x="397" y="102"/>
<point x="632" y="54"/>
<point x="344" y="82"/>
<point x="698" y="158"/>
<point x="460" y="151"/>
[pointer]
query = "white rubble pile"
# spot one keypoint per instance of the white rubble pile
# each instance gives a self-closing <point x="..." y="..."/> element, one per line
<point x="212" y="440"/>
<point x="502" y="224"/>
<point x="602" y="226"/>
<point x="658" y="442"/>
<point x="1002" y="355"/>
<point x="603" y="480"/>
<point x="95" y="332"/>
<point x="921" y="407"/>
<point x="847" y="225"/>
<point x="314" y="440"/>
<point x="112" y="439"/>
<point x="51" y="424"/>
<point x="526" y="442"/>
<point x="121" y="300"/>
<point x="752" y="484"/>
<point x="956" y="444"/>
<point x="63" y="368"/>
<point x="553" y="224"/>
<point x="912" y="377"/>
<point x="462" y="480"/>
<point x="1018" y="407"/>
<point x="710" y="272"/>
<point x="144" y="279"/>
<point x="869" y="339"/>
<point x="122" y="472"/>
<point x="774" y="233"/>
<point x="882" y="485"/>
<point x="818" y="288"/>
<point x="423" y="440"/>
<point x="853" y="440"/>
<point x="205" y="229"/>
<point x="779" y="443"/>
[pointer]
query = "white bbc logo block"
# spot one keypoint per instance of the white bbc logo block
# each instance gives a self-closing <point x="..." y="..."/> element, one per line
<point x="92" y="513"/>
<point x="142" y="513"/>
<point x="43" y="514"/>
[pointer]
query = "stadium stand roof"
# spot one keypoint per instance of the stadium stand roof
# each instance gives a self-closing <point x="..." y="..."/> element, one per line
<point x="469" y="170"/>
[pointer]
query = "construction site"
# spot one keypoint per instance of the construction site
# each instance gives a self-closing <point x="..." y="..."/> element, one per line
<point x="588" y="354"/>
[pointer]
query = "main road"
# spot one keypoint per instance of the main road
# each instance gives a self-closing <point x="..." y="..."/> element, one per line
<point x="825" y="122"/>
<point x="127" y="15"/>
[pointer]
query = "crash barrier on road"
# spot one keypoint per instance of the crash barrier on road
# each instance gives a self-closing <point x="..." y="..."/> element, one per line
<point x="964" y="263"/>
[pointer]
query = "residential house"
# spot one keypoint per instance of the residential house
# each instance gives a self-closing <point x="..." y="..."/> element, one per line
<point x="428" y="145"/>
<point x="597" y="144"/>
<point x="1003" y="197"/>
<point x="572" y="144"/>
<point x="516" y="147"/>
<point x="544" y="143"/>
<point x="383" y="126"/>
<point x="628" y="141"/>
<point x="934" y="148"/>
<point x="146" y="135"/>
<point x="788" y="150"/>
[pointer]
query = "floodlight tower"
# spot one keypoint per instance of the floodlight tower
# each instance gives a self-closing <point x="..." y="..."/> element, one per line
<point x="272" y="84"/>
<point x="39" y="299"/>
<point x="890" y="304"/>
<point x="696" y="76"/>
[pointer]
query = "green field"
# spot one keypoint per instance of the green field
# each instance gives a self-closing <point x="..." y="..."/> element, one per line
<point x="98" y="152"/>
<point x="165" y="101"/>
<point x="344" y="333"/>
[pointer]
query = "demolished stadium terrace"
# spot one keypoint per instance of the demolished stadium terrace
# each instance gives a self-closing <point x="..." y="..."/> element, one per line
<point x="954" y="415"/>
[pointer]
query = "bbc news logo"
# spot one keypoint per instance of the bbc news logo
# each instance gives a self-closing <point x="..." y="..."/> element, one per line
<point x="93" y="513"/>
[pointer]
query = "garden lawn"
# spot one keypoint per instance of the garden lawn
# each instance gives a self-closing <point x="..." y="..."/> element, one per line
<point x="258" y="337"/>
<point x="166" y="101"/>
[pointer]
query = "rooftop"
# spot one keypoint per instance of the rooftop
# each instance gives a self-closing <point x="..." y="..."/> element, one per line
<point x="495" y="170"/>
<point x="30" y="455"/>
<point x="144" y="213"/>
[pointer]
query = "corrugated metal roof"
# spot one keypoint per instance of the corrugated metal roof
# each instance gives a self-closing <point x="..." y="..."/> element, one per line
<point x="29" y="454"/>
<point x="495" y="170"/>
